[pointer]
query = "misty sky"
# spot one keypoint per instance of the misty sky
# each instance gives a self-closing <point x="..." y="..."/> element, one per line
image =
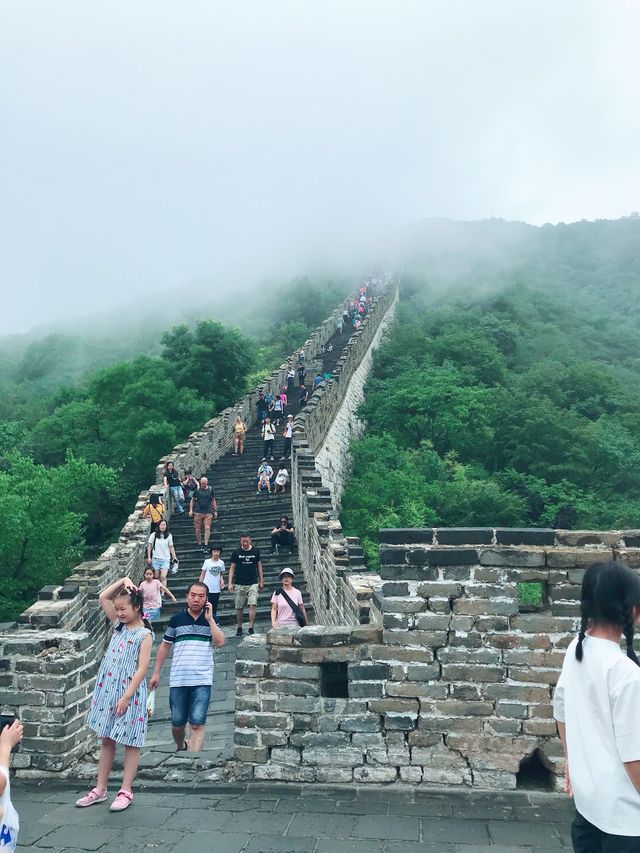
<point x="147" y="145"/>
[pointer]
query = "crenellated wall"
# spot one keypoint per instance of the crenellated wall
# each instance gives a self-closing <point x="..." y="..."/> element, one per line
<point x="452" y="685"/>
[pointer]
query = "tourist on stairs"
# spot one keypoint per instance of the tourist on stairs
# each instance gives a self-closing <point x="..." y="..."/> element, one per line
<point x="287" y="607"/>
<point x="206" y="508"/>
<point x="246" y="580"/>
<point x="171" y="481"/>
<point x="283" y="535"/>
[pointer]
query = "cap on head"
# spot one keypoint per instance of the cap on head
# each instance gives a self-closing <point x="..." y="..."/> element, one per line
<point x="287" y="571"/>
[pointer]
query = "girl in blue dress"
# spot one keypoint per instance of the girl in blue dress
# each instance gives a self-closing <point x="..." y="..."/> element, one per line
<point x="118" y="709"/>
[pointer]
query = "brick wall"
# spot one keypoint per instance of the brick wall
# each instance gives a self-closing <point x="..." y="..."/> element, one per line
<point x="451" y="685"/>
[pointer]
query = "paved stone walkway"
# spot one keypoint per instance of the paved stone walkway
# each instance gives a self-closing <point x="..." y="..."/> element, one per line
<point x="272" y="818"/>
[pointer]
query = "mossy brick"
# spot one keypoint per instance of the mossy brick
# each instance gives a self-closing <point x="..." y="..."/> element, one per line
<point x="525" y="536"/>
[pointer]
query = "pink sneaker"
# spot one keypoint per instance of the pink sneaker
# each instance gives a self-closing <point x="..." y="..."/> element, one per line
<point x="122" y="801"/>
<point x="94" y="796"/>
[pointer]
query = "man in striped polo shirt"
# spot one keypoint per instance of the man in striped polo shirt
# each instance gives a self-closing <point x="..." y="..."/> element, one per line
<point x="192" y="634"/>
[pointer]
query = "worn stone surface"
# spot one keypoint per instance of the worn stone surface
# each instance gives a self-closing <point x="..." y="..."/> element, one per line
<point x="363" y="815"/>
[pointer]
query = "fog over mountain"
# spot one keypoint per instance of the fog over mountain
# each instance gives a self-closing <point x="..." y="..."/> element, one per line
<point x="156" y="151"/>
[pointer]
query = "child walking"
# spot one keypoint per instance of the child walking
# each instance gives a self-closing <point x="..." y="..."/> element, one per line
<point x="118" y="709"/>
<point x="212" y="575"/>
<point x="596" y="706"/>
<point x="152" y="591"/>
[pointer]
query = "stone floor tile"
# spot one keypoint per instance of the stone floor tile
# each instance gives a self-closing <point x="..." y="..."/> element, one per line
<point x="420" y="847"/>
<point x="360" y="807"/>
<point x="437" y="808"/>
<point x="278" y="844"/>
<point x="75" y="836"/>
<point x="201" y="820"/>
<point x="271" y="823"/>
<point x="455" y="831"/>
<point x="524" y="832"/>
<point x="330" y="825"/>
<point x="307" y="806"/>
<point x="205" y="842"/>
<point x="387" y="827"/>
<point x="490" y="848"/>
<point x="348" y="845"/>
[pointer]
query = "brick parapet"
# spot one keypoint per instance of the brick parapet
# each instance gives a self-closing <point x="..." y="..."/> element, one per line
<point x="454" y="686"/>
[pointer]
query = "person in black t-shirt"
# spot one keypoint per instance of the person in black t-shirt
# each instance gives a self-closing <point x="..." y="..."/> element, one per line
<point x="245" y="579"/>
<point x="205" y="508"/>
<point x="283" y="534"/>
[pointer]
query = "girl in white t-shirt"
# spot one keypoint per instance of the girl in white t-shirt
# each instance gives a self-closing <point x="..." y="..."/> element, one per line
<point x="597" y="708"/>
<point x="10" y="736"/>
<point x="212" y="575"/>
<point x="160" y="550"/>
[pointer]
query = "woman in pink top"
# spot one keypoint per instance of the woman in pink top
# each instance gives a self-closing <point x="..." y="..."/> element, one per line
<point x="281" y="612"/>
<point x="152" y="590"/>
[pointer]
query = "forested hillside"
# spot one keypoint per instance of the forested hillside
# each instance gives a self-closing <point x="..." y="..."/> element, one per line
<point x="508" y="391"/>
<point x="82" y="427"/>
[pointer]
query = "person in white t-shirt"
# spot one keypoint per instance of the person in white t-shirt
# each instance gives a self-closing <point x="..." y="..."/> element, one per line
<point x="10" y="736"/>
<point x="212" y="575"/>
<point x="597" y="708"/>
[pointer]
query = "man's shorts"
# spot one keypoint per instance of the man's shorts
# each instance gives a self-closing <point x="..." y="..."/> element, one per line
<point x="246" y="595"/>
<point x="189" y="705"/>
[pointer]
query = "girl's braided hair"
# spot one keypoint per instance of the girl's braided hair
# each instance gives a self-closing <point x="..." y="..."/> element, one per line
<point x="610" y="592"/>
<point x="137" y="602"/>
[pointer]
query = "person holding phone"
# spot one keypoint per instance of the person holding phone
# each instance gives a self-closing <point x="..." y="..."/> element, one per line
<point x="11" y="731"/>
<point x="193" y="634"/>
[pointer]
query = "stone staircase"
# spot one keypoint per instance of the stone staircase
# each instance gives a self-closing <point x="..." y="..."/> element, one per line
<point x="240" y="510"/>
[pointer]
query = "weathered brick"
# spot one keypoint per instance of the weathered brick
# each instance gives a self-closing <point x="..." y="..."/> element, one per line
<point x="430" y="639"/>
<point x="484" y="607"/>
<point x="525" y="536"/>
<point x="423" y="672"/>
<point x="366" y="671"/>
<point x="284" y="670"/>
<point x="511" y="557"/>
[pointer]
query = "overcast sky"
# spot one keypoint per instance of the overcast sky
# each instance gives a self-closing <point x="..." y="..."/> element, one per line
<point x="145" y="145"/>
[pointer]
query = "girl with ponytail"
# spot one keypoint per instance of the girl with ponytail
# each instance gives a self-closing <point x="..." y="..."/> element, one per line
<point x="118" y="709"/>
<point x="597" y="709"/>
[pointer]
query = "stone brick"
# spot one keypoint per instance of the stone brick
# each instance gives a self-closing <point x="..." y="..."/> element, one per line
<point x="525" y="536"/>
<point x="403" y="605"/>
<point x="339" y="757"/>
<point x="382" y="706"/>
<point x="503" y="726"/>
<point x="453" y="556"/>
<point x="417" y="689"/>
<point x="286" y="755"/>
<point x="445" y="725"/>
<point x="249" y="669"/>
<point x="464" y="535"/>
<point x="391" y="588"/>
<point x="374" y="775"/>
<point x="361" y="723"/>
<point x="366" y="689"/>
<point x="432" y="621"/>
<point x="512" y="557"/>
<point x="404" y="722"/>
<point x="423" y="672"/>
<point x="538" y="676"/>
<point x="401" y="653"/>
<point x="367" y="671"/>
<point x="299" y="704"/>
<point x="398" y="620"/>
<point x="517" y="692"/>
<point x="430" y="639"/>
<point x="250" y="754"/>
<point x="539" y="728"/>
<point x="407" y="572"/>
<point x="451" y="654"/>
<point x="447" y="589"/>
<point x="289" y="687"/>
<point x="518" y="711"/>
<point x="283" y="670"/>
<point x="458" y="708"/>
<point x="406" y="536"/>
<point x="261" y="721"/>
<point x="481" y="606"/>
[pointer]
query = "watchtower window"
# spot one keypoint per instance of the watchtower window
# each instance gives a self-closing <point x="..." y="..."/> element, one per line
<point x="334" y="680"/>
